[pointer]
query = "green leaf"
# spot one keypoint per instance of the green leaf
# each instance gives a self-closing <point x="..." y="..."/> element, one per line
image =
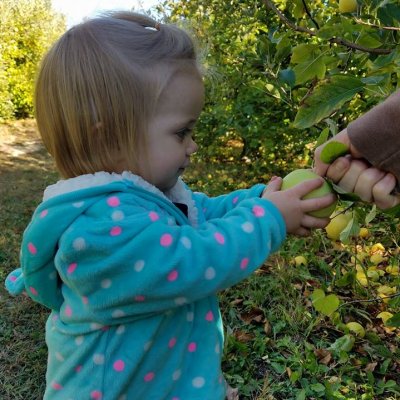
<point x="326" y="305"/>
<point x="303" y="52"/>
<point x="287" y="76"/>
<point x="317" y="294"/>
<point x="326" y="99"/>
<point x="345" y="195"/>
<point x="371" y="215"/>
<point x="351" y="230"/>
<point x="310" y="69"/>
<point x="323" y="137"/>
<point x="345" y="343"/>
<point x="394" y="321"/>
<point x="394" y="211"/>
<point x="332" y="151"/>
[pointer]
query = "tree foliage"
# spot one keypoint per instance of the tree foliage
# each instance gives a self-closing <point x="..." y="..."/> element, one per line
<point x="281" y="71"/>
<point x="27" y="28"/>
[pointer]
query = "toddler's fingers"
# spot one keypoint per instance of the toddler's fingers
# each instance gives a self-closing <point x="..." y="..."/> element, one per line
<point x="309" y="221"/>
<point x="305" y="187"/>
<point x="317" y="203"/>
<point x="274" y="185"/>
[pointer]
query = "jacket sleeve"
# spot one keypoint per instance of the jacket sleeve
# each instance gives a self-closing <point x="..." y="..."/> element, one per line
<point x="144" y="264"/>
<point x="376" y="135"/>
<point x="215" y="207"/>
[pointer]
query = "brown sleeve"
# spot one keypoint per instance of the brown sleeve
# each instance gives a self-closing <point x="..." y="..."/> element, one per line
<point x="376" y="135"/>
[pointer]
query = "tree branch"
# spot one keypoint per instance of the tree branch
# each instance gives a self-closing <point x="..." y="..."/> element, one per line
<point x="387" y="28"/>
<point x="340" y="41"/>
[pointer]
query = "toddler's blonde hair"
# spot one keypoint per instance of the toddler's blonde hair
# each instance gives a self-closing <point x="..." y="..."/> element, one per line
<point x="99" y="85"/>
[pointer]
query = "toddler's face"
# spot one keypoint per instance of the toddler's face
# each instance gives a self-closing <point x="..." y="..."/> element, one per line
<point x="169" y="137"/>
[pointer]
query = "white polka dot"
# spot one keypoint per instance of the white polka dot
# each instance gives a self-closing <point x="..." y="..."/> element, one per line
<point x="78" y="204"/>
<point x="106" y="283"/>
<point x="79" y="244"/>
<point x="210" y="273"/>
<point x="95" y="326"/>
<point x="187" y="243"/>
<point x="120" y="330"/>
<point x="98" y="359"/>
<point x="147" y="346"/>
<point x="176" y="375"/>
<point x="180" y="301"/>
<point x="59" y="356"/>
<point x="198" y="382"/>
<point x="139" y="265"/>
<point x="117" y="215"/>
<point x="123" y="397"/>
<point x="79" y="340"/>
<point x="217" y="348"/>
<point x="248" y="227"/>
<point x="190" y="316"/>
<point x="118" y="314"/>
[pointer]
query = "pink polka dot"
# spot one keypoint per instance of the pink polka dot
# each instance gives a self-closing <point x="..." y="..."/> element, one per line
<point x="32" y="249"/>
<point x="71" y="268"/>
<point x="33" y="291"/>
<point x="139" y="298"/>
<point x="244" y="263"/>
<point x="210" y="316"/>
<point x="13" y="278"/>
<point x="96" y="395"/>
<point x="166" y="240"/>
<point x="105" y="328"/>
<point x="153" y="216"/>
<point x="175" y="398"/>
<point x="44" y="213"/>
<point x="68" y="311"/>
<point x="219" y="238"/>
<point x="149" y="377"/>
<point x="56" y="386"/>
<point x="119" y="366"/>
<point x="113" y="201"/>
<point x="192" y="347"/>
<point x="116" y="231"/>
<point x="258" y="211"/>
<point x="172" y="343"/>
<point x="85" y="300"/>
<point x="235" y="200"/>
<point x="78" y="368"/>
<point x="173" y="275"/>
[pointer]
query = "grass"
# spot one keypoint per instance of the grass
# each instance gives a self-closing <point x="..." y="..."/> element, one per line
<point x="277" y="345"/>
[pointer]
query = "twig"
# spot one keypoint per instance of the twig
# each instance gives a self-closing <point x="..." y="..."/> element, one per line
<point x="369" y="300"/>
<point x="309" y="14"/>
<point x="386" y="28"/>
<point x="340" y="41"/>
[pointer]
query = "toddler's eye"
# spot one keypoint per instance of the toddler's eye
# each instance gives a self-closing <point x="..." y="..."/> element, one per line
<point x="183" y="133"/>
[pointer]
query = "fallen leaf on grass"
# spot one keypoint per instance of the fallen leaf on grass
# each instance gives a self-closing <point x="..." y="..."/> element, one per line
<point x="370" y="367"/>
<point x="324" y="356"/>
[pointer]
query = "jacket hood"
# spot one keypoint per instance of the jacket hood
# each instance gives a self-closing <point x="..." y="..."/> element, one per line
<point x="62" y="204"/>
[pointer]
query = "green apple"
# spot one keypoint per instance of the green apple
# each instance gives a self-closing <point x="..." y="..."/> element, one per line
<point x="299" y="175"/>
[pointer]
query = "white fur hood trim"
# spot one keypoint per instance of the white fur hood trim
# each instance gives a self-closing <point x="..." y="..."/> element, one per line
<point x="178" y="194"/>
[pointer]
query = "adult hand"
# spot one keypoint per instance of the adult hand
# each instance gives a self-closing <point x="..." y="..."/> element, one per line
<point x="294" y="209"/>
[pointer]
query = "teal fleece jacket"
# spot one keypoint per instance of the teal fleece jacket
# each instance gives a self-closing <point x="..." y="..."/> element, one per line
<point x="131" y="283"/>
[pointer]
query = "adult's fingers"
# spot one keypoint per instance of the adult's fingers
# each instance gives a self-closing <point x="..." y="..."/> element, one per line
<point x="349" y="180"/>
<point x="338" y="168"/>
<point x="381" y="193"/>
<point x="366" y="181"/>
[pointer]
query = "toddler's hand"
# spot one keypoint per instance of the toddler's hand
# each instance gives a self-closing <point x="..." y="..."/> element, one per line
<point x="294" y="209"/>
<point x="369" y="183"/>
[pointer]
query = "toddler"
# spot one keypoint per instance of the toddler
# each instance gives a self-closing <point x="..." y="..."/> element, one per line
<point x="127" y="258"/>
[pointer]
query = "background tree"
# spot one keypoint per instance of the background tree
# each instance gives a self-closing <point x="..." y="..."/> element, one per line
<point x="279" y="66"/>
<point x="27" y="28"/>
